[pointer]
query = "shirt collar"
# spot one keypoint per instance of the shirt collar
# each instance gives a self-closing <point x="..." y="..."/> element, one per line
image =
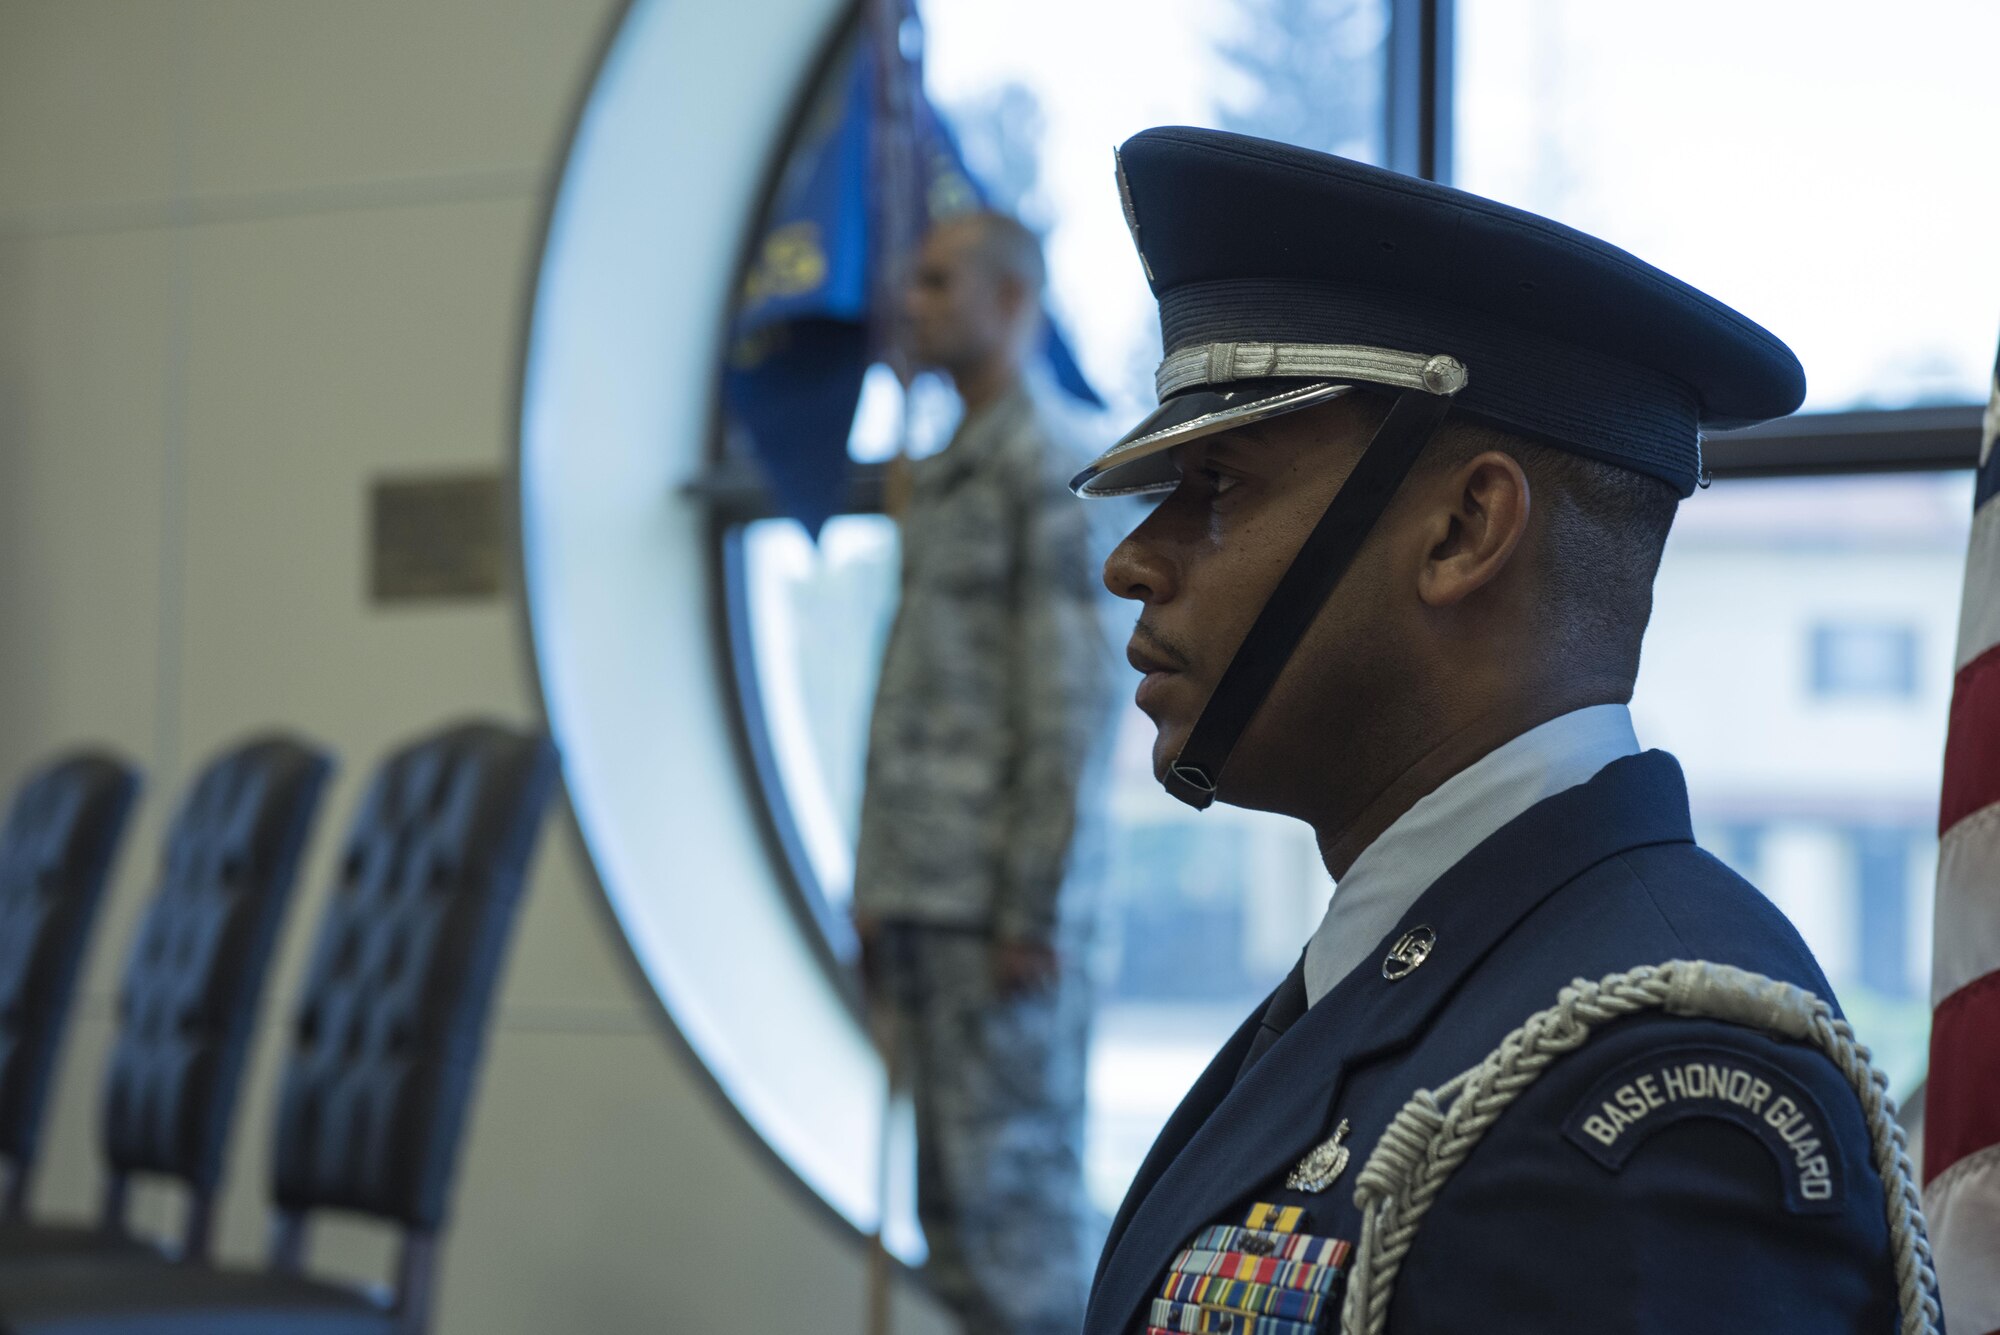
<point x="1449" y="822"/>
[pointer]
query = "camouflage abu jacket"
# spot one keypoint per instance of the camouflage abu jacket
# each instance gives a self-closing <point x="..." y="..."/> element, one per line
<point x="993" y="709"/>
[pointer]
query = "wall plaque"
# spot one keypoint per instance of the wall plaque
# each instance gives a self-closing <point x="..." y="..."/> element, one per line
<point x="444" y="536"/>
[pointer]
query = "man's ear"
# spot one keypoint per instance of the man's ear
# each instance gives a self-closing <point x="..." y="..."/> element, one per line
<point x="1478" y="517"/>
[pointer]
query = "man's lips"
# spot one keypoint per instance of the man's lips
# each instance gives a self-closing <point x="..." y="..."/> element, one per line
<point x="1159" y="673"/>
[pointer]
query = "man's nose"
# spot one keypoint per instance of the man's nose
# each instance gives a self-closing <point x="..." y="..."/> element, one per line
<point x="1137" y="571"/>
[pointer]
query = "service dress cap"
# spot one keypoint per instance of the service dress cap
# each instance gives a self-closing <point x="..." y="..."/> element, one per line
<point x="1287" y="277"/>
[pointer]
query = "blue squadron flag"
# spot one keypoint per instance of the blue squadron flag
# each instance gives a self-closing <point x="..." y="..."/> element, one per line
<point x="811" y="316"/>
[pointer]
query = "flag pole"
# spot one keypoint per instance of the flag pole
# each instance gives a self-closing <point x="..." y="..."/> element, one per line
<point x="891" y="195"/>
<point x="892" y="151"/>
<point x="881" y="1267"/>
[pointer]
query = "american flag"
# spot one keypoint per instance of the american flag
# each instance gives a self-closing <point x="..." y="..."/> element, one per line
<point x="1962" y="1101"/>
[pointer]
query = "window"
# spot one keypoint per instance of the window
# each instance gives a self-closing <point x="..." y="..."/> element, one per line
<point x="1831" y="812"/>
<point x="817" y="621"/>
<point x="1817" y="167"/>
<point x="1040" y="91"/>
<point x="1830" y="815"/>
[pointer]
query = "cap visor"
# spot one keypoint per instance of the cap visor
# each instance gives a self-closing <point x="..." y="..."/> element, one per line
<point x="1139" y="463"/>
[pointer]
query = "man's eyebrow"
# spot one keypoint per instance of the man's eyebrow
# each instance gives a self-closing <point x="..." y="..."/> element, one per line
<point x="1238" y="439"/>
<point x="1235" y="445"/>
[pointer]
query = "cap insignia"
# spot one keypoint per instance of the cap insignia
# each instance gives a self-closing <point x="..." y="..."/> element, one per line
<point x="1131" y="211"/>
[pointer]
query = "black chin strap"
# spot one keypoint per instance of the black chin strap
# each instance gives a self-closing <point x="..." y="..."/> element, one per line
<point x="1314" y="572"/>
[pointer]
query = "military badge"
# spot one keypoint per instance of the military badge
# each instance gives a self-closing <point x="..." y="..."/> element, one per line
<point x="1412" y="948"/>
<point x="1263" y="1277"/>
<point x="1323" y="1166"/>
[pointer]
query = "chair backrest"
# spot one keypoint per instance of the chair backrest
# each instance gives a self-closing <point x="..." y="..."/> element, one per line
<point x="55" y="850"/>
<point x="392" y="1017"/>
<point x="197" y="966"/>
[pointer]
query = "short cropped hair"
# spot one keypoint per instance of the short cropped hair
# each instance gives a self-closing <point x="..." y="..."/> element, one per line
<point x="1607" y="527"/>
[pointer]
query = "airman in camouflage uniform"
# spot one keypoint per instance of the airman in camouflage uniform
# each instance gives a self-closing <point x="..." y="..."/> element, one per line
<point x="972" y="884"/>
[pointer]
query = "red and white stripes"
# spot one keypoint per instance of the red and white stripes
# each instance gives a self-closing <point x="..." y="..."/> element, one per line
<point x="1962" y="1099"/>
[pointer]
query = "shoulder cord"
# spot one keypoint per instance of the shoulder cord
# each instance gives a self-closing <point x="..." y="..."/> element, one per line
<point x="1437" y="1129"/>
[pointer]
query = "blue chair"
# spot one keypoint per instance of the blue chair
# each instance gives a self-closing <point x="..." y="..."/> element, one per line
<point x="189" y="1000"/>
<point x="55" y="850"/>
<point x="384" y="1055"/>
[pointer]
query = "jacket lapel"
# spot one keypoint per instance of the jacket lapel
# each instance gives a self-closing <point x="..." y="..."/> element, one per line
<point x="1270" y="1119"/>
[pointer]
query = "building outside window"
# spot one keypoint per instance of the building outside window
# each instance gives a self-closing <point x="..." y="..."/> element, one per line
<point x="1864" y="661"/>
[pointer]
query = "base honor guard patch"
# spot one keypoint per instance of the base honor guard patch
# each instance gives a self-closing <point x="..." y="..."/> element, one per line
<point x="1647" y="1096"/>
<point x="1264" y="1277"/>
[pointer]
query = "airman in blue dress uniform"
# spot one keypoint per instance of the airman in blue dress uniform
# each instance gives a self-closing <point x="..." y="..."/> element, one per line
<point x="1418" y="454"/>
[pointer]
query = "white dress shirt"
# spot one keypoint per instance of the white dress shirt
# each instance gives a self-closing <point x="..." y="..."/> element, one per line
<point x="1453" y="819"/>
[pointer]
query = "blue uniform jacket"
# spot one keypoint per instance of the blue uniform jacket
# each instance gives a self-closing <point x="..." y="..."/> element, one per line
<point x="1699" y="1214"/>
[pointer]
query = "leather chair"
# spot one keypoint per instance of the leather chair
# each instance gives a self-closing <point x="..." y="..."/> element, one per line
<point x="55" y="851"/>
<point x="189" y="999"/>
<point x="384" y="1050"/>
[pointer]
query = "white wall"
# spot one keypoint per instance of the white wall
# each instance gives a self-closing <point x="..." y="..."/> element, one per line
<point x="253" y="255"/>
